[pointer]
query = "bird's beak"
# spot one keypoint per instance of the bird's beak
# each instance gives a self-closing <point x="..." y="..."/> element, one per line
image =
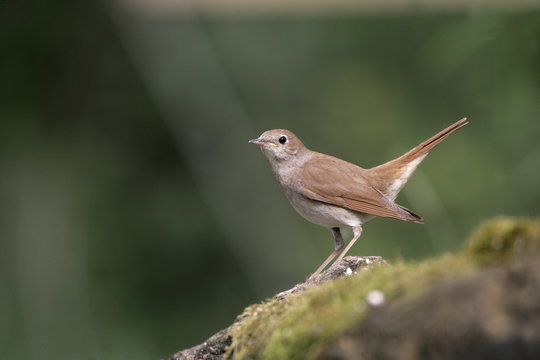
<point x="261" y="142"/>
<point x="256" y="141"/>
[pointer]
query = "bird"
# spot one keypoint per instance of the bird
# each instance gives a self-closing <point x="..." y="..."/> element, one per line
<point x="337" y="194"/>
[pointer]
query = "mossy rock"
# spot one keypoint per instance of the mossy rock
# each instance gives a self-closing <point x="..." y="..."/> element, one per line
<point x="481" y="303"/>
<point x="504" y="239"/>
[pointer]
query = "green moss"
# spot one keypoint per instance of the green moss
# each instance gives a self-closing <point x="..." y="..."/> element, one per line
<point x="303" y="325"/>
<point x="504" y="239"/>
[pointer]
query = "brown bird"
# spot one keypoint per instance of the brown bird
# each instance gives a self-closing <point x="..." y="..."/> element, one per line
<point x="335" y="193"/>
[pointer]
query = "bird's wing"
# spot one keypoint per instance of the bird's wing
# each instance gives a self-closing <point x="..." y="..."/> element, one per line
<point x="337" y="182"/>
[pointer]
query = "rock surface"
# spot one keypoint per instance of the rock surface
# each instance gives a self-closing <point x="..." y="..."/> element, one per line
<point x="480" y="303"/>
<point x="216" y="345"/>
<point x="211" y="349"/>
<point x="494" y="314"/>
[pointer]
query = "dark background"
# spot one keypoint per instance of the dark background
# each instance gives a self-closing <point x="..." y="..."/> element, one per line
<point x="136" y="220"/>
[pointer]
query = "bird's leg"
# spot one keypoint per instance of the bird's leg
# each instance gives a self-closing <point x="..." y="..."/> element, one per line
<point x="338" y="245"/>
<point x="357" y="231"/>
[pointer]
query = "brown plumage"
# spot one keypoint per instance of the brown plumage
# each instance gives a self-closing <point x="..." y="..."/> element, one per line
<point x="351" y="189"/>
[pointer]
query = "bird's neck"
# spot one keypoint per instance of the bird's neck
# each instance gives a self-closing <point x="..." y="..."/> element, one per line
<point x="286" y="169"/>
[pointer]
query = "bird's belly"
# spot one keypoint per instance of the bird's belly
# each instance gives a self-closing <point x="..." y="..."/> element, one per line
<point x="327" y="215"/>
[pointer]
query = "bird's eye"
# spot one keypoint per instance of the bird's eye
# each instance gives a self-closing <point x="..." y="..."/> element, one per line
<point x="283" y="140"/>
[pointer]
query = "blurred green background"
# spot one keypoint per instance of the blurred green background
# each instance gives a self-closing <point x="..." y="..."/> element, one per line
<point x="136" y="220"/>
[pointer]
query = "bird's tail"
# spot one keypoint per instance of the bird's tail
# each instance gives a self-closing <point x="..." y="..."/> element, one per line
<point x="395" y="173"/>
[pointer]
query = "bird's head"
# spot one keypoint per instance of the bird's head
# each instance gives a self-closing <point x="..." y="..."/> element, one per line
<point x="279" y="145"/>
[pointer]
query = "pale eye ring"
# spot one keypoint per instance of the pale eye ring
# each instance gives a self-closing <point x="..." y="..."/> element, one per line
<point x="282" y="140"/>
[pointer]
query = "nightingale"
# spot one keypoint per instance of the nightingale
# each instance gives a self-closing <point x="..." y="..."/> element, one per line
<point x="334" y="193"/>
